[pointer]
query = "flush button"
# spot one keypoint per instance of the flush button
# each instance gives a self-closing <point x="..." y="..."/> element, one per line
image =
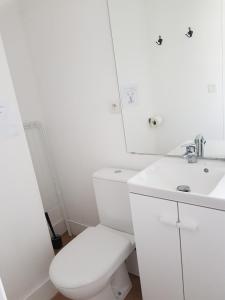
<point x="118" y="171"/>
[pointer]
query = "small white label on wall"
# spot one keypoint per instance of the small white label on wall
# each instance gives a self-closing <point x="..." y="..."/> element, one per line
<point x="129" y="94"/>
<point x="212" y="89"/>
<point x="8" y="124"/>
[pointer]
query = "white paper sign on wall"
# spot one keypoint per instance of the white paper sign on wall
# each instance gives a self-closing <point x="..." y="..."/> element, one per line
<point x="129" y="94"/>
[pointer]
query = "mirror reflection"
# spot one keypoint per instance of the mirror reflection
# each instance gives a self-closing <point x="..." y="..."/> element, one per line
<point x="169" y="59"/>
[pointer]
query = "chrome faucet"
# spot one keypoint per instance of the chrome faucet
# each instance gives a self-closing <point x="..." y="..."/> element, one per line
<point x="200" y="145"/>
<point x="191" y="154"/>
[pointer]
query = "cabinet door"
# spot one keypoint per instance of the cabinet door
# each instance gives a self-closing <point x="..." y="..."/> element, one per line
<point x="203" y="252"/>
<point x="158" y="247"/>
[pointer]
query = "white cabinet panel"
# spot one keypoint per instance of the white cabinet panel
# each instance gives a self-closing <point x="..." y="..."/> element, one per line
<point x="203" y="251"/>
<point x="158" y="247"/>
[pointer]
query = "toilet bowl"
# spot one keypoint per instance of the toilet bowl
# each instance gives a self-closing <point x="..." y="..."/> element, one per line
<point x="92" y="266"/>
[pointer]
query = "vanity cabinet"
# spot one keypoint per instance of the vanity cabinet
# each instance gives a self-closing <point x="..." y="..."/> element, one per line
<point x="180" y="248"/>
<point x="203" y="253"/>
<point x="158" y="248"/>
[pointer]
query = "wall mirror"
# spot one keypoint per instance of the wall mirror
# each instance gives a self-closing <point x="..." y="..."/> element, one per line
<point x="169" y="60"/>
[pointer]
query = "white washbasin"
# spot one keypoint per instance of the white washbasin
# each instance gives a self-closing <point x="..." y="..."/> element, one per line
<point x="206" y="180"/>
<point x="168" y="174"/>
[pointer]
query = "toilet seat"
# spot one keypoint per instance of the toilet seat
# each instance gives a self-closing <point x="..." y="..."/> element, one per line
<point x="88" y="262"/>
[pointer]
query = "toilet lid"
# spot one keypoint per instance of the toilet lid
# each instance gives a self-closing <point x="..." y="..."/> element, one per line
<point x="93" y="254"/>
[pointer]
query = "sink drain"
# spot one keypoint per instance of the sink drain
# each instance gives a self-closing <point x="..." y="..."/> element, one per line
<point x="184" y="188"/>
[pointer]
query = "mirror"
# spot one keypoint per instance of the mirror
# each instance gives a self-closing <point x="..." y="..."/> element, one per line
<point x="169" y="60"/>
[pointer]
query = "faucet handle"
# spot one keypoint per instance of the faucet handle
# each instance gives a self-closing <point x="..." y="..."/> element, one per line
<point x="190" y="153"/>
<point x="190" y="148"/>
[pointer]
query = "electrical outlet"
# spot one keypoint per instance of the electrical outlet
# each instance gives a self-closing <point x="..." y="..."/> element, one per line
<point x="115" y="108"/>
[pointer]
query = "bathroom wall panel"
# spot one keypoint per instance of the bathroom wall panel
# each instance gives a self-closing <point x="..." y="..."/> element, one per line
<point x="72" y="55"/>
<point x="26" y="250"/>
<point x="26" y="87"/>
<point x="20" y="61"/>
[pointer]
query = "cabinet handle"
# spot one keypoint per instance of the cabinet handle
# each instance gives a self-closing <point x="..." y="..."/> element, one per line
<point x="187" y="225"/>
<point x="168" y="220"/>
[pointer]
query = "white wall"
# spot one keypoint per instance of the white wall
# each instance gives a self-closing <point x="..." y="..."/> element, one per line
<point x="72" y="54"/>
<point x="20" y="62"/>
<point x="26" y="251"/>
<point x="29" y="103"/>
<point x="45" y="173"/>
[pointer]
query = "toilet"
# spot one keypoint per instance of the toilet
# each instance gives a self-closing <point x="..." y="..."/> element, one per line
<point x="92" y="266"/>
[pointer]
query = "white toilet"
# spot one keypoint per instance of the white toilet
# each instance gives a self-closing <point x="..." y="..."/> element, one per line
<point x="92" y="266"/>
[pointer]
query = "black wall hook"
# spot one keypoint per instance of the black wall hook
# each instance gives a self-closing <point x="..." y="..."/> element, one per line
<point x="190" y="32"/>
<point x="160" y="41"/>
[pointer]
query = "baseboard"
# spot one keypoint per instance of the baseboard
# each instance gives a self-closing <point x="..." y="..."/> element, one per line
<point x="76" y="228"/>
<point x="45" y="291"/>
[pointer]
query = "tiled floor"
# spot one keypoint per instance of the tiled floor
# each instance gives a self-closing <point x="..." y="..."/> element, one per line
<point x="135" y="293"/>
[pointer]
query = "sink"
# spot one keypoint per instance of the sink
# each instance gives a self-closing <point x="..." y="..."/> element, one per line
<point x="168" y="174"/>
<point x="205" y="181"/>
